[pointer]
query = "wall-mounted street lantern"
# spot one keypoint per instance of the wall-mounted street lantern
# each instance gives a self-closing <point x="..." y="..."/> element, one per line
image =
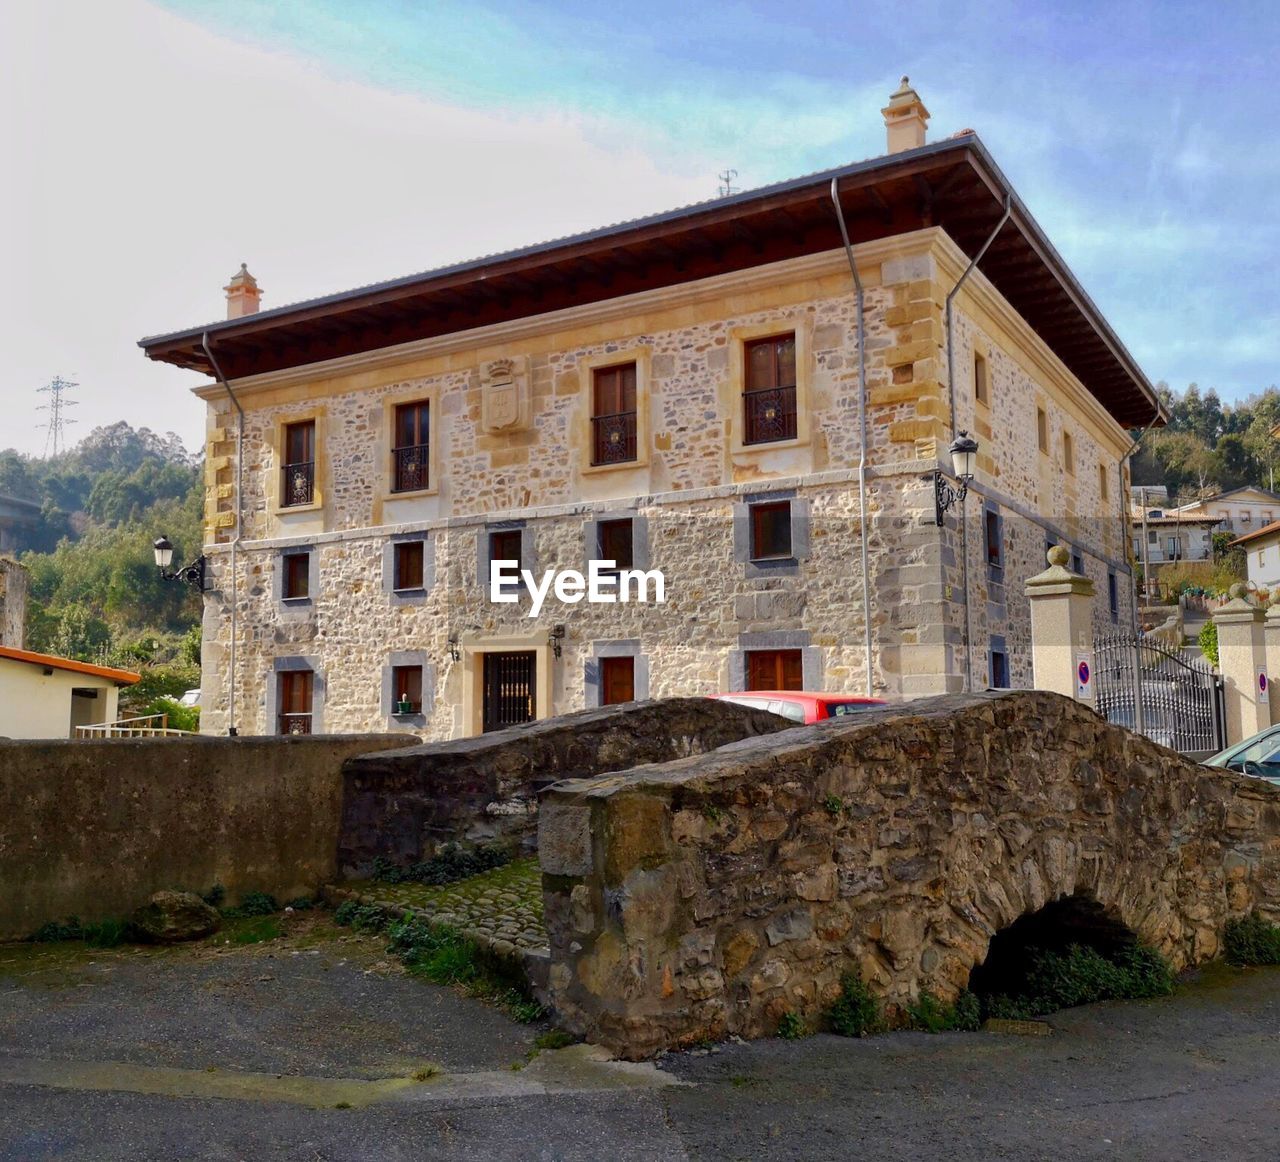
<point x="454" y="652"/>
<point x="964" y="459"/>
<point x="193" y="574"/>
<point x="556" y="638"/>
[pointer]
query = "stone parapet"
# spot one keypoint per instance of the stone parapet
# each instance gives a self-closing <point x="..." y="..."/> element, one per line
<point x="709" y="896"/>
<point x="402" y="804"/>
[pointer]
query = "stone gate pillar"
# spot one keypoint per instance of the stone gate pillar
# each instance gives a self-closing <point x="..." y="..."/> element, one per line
<point x="1062" y="629"/>
<point x="1271" y="639"/>
<point x="1243" y="662"/>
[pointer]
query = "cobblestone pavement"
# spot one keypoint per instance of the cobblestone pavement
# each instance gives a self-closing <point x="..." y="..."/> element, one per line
<point x="500" y="905"/>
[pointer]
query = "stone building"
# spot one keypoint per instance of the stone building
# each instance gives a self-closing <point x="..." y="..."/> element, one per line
<point x="733" y="393"/>
<point x="14" y="585"/>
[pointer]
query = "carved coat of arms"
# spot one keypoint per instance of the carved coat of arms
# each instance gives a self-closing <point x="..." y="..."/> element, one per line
<point x="504" y="384"/>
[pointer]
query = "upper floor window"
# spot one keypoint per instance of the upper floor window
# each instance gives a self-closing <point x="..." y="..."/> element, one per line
<point x="616" y="543"/>
<point x="1068" y="454"/>
<point x="296" y="689"/>
<point x="613" y="414"/>
<point x="995" y="547"/>
<point x="411" y="448"/>
<point x="769" y="394"/>
<point x="1042" y="429"/>
<point x="1246" y="517"/>
<point x="296" y="582"/>
<point x="408" y="562"/>
<point x="771" y="530"/>
<point x="298" y="471"/>
<point x="981" y="392"/>
<point x="504" y="545"/>
<point x="1103" y="488"/>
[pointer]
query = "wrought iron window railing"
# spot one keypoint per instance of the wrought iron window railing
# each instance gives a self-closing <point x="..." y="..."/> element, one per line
<point x="769" y="414"/>
<point x="298" y="483"/>
<point x="412" y="467"/>
<point x="614" y="438"/>
<point x="295" y="724"/>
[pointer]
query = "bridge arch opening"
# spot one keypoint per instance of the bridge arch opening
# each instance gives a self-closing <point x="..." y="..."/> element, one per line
<point x="1069" y="920"/>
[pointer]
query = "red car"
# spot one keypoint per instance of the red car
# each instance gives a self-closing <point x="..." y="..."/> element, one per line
<point x="802" y="705"/>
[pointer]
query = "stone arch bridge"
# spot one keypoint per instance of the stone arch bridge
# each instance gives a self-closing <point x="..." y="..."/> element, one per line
<point x="708" y="895"/>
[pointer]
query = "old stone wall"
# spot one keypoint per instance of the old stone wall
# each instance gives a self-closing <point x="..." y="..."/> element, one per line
<point x="94" y="828"/>
<point x="13" y="603"/>
<point x="710" y="895"/>
<point x="402" y="804"/>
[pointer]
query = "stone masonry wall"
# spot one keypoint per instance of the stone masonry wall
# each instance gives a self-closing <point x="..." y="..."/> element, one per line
<point x="13" y="603"/>
<point x="402" y="804"/>
<point x="692" y="474"/>
<point x="710" y="895"/>
<point x="93" y="828"/>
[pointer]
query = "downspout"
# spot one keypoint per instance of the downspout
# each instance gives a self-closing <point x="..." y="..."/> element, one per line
<point x="951" y="393"/>
<point x="235" y="541"/>
<point x="862" y="432"/>
<point x="1124" y="520"/>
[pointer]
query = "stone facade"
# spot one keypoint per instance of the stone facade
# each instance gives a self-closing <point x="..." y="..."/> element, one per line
<point x="708" y="896"/>
<point x="525" y="459"/>
<point x="402" y="804"/>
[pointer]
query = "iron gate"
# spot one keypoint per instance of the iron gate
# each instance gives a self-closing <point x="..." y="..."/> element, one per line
<point x="1158" y="691"/>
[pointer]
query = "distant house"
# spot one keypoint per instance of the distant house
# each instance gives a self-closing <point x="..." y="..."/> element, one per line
<point x="1262" y="555"/>
<point x="43" y="696"/>
<point x="1241" y="511"/>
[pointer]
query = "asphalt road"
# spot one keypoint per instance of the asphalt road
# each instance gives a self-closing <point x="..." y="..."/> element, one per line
<point x="314" y="1048"/>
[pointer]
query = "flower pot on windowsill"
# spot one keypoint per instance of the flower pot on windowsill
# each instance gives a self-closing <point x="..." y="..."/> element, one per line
<point x="404" y="706"/>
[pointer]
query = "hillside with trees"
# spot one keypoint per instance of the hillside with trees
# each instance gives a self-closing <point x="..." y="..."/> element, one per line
<point x="96" y="594"/>
<point x="1209" y="446"/>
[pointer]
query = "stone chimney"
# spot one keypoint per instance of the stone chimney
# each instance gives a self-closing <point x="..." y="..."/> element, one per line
<point x="243" y="295"/>
<point x="905" y="118"/>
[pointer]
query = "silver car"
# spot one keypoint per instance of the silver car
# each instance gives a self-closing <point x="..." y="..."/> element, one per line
<point x="1258" y="756"/>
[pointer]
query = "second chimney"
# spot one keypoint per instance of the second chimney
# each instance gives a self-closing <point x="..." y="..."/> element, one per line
<point x="905" y="118"/>
<point x="243" y="295"/>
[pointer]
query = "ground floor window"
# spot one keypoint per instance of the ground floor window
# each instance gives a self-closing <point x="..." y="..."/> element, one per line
<point x="775" y="670"/>
<point x="617" y="680"/>
<point x="510" y="689"/>
<point x="296" y="689"/>
<point x="406" y="689"/>
<point x="999" y="670"/>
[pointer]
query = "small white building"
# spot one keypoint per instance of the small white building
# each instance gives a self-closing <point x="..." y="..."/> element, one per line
<point x="1262" y="556"/>
<point x="1242" y="510"/>
<point x="43" y="696"/>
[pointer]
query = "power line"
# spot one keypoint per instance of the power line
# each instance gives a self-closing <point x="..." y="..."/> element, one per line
<point x="54" y="441"/>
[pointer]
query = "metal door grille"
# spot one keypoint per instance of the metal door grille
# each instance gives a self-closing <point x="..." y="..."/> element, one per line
<point x="1174" y="699"/>
<point x="509" y="690"/>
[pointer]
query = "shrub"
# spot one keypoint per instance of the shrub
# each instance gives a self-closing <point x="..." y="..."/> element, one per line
<point x="451" y="863"/>
<point x="1207" y="639"/>
<point x="253" y="904"/>
<point x="855" y="1012"/>
<point x="791" y="1026"/>
<point x="1252" y="940"/>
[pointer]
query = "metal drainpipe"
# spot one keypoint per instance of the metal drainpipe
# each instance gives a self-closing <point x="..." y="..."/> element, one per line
<point x="1124" y="517"/>
<point x="862" y="431"/>
<point x="951" y="393"/>
<point x="235" y="541"/>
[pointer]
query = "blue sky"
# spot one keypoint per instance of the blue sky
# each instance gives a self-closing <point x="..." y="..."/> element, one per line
<point x="334" y="142"/>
